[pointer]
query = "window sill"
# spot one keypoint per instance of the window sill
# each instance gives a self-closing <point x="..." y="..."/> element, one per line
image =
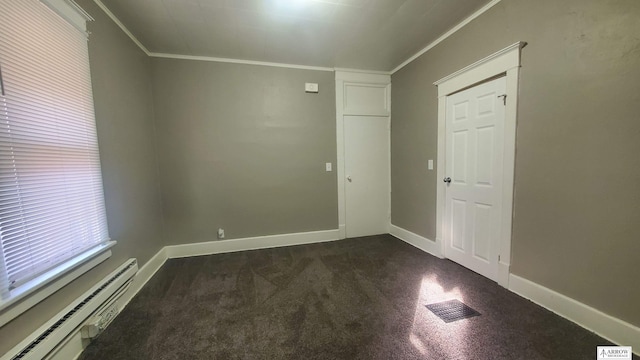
<point x="34" y="291"/>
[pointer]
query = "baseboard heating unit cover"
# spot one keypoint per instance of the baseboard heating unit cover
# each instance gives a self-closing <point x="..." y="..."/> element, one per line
<point x="52" y="333"/>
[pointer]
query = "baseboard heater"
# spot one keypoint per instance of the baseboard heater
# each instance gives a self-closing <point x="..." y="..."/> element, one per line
<point x="44" y="340"/>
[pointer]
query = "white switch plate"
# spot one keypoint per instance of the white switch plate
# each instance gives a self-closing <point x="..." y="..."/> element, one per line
<point x="328" y="166"/>
<point x="311" y="87"/>
<point x="430" y="164"/>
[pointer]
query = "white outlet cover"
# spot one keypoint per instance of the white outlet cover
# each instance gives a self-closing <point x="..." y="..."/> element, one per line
<point x="328" y="166"/>
<point x="430" y="164"/>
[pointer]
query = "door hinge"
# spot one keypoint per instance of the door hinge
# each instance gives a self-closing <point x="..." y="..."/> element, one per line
<point x="504" y="98"/>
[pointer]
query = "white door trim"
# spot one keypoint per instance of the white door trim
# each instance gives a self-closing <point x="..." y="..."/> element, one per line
<point x="505" y="61"/>
<point x="344" y="78"/>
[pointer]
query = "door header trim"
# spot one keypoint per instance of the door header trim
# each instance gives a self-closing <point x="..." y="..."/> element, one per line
<point x="492" y="65"/>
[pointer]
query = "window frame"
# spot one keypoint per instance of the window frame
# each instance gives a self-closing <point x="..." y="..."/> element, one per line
<point x="18" y="300"/>
<point x="29" y="294"/>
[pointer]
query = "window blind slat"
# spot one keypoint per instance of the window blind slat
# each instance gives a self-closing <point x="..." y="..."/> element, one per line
<point x="51" y="194"/>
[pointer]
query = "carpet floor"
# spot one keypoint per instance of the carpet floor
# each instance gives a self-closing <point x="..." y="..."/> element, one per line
<point x="362" y="298"/>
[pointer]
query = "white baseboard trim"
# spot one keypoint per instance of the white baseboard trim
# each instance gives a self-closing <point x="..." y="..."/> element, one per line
<point x="504" y="271"/>
<point x="609" y="327"/>
<point x="343" y="231"/>
<point x="145" y="273"/>
<point x="422" y="243"/>
<point x="251" y="243"/>
<point x="73" y="345"/>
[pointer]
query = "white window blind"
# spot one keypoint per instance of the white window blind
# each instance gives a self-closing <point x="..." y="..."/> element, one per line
<point x="51" y="195"/>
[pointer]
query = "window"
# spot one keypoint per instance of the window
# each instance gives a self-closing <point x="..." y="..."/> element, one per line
<point x="52" y="212"/>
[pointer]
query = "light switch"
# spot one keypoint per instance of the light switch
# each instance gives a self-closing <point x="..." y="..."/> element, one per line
<point x="430" y="164"/>
<point x="328" y="166"/>
<point x="311" y="87"/>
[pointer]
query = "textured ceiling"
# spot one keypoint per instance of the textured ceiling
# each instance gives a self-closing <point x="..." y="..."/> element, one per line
<point x="359" y="34"/>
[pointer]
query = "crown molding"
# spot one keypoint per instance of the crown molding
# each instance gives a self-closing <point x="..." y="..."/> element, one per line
<point x="121" y="25"/>
<point x="239" y="61"/>
<point x="370" y="72"/>
<point x="444" y="36"/>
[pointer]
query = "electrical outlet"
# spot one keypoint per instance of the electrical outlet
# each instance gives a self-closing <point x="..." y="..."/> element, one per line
<point x="221" y="233"/>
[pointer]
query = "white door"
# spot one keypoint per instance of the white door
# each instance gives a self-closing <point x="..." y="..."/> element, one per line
<point x="474" y="164"/>
<point x="366" y="156"/>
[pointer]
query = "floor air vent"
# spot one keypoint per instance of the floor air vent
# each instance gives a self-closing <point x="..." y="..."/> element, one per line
<point x="452" y="310"/>
<point x="49" y="335"/>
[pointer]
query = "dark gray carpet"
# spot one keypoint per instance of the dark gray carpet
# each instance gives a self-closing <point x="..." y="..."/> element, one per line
<point x="360" y="298"/>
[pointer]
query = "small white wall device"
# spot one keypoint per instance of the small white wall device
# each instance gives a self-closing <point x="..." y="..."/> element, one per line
<point x="311" y="88"/>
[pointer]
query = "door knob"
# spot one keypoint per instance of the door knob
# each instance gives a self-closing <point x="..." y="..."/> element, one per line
<point x="349" y="178"/>
<point x="447" y="180"/>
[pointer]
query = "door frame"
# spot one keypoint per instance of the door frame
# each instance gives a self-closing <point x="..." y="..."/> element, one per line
<point x="343" y="79"/>
<point x="507" y="62"/>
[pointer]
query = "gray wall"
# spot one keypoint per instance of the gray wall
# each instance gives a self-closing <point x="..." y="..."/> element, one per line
<point x="121" y="88"/>
<point x="577" y="192"/>
<point x="244" y="148"/>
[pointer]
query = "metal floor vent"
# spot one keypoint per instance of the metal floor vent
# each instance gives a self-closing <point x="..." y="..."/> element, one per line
<point x="69" y="314"/>
<point x="452" y="310"/>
